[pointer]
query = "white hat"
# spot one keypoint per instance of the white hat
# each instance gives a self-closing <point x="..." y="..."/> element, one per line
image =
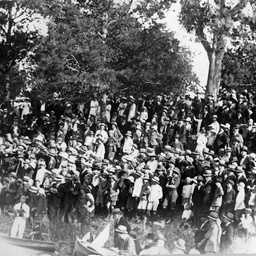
<point x="180" y="243"/>
<point x="131" y="179"/>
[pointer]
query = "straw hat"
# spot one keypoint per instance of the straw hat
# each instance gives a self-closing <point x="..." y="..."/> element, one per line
<point x="229" y="216"/>
<point x="155" y="179"/>
<point x="116" y="211"/>
<point x="122" y="229"/>
<point x="180" y="244"/>
<point x="213" y="216"/>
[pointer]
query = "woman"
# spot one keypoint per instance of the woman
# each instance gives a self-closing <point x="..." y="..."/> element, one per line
<point x="239" y="202"/>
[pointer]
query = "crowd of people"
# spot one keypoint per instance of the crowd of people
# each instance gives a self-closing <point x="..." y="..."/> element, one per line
<point x="147" y="156"/>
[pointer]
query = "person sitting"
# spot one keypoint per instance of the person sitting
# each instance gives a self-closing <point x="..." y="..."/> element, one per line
<point x="126" y="244"/>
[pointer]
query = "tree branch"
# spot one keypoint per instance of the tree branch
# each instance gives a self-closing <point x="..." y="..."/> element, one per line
<point x="200" y="34"/>
<point x="239" y="7"/>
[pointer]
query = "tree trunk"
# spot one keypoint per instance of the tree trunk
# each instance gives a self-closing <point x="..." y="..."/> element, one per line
<point x="215" y="66"/>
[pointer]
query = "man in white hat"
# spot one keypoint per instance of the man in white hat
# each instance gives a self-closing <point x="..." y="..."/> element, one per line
<point x="127" y="244"/>
<point x="21" y="211"/>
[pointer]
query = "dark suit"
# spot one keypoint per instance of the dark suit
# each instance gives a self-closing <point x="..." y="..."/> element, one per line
<point x="198" y="199"/>
<point x="227" y="238"/>
<point x="70" y="197"/>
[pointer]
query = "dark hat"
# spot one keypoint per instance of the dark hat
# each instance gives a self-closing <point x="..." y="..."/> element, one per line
<point x="229" y="216"/>
<point x="233" y="159"/>
<point x="213" y="216"/>
<point x="116" y="211"/>
<point x="231" y="182"/>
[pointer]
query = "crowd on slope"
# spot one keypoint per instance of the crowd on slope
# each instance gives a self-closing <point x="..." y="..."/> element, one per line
<point x="79" y="160"/>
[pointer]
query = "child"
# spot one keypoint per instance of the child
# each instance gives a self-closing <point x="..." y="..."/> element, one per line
<point x="187" y="214"/>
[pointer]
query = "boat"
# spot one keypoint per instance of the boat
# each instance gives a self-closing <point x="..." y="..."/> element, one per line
<point x="27" y="243"/>
<point x="83" y="247"/>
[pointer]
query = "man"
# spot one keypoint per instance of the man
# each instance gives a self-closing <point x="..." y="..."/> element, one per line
<point x="119" y="221"/>
<point x="71" y="194"/>
<point x="198" y="199"/>
<point x="127" y="244"/>
<point x="21" y="211"/>
<point x="213" y="235"/>
<point x="228" y="231"/>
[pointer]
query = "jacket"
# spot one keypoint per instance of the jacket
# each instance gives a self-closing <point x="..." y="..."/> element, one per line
<point x="213" y="239"/>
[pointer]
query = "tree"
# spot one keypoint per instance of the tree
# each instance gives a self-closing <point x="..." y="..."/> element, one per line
<point x="16" y="38"/>
<point x="99" y="46"/>
<point x="239" y="61"/>
<point x="212" y="22"/>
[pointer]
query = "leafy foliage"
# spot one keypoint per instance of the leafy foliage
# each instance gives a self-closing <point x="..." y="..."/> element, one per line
<point x="17" y="39"/>
<point x="99" y="46"/>
<point x="213" y="22"/>
<point x="239" y="62"/>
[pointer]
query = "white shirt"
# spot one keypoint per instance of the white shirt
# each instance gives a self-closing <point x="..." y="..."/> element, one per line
<point x="40" y="175"/>
<point x="127" y="147"/>
<point x="25" y="207"/>
<point x="156" y="193"/>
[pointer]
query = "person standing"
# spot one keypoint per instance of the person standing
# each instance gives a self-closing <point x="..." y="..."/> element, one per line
<point x="213" y="235"/>
<point x="21" y="211"/>
<point x="228" y="231"/>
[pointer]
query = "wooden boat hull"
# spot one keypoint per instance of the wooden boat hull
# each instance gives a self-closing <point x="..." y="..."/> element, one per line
<point x="26" y="243"/>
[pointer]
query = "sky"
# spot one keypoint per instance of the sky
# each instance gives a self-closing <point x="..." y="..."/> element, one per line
<point x="200" y="59"/>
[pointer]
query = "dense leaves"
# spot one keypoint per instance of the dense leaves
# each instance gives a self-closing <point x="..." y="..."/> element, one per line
<point x="213" y="23"/>
<point x="17" y="39"/>
<point x="98" y="47"/>
<point x="239" y="62"/>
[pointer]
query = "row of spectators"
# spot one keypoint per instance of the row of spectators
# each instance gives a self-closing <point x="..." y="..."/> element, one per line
<point x="137" y="155"/>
